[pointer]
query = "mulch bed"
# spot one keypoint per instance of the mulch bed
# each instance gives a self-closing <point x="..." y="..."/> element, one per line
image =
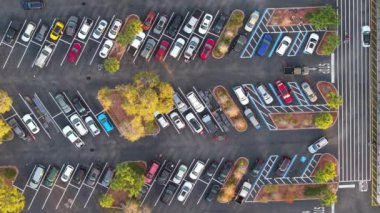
<point x="291" y="16"/>
<point x="299" y="120"/>
<point x="325" y="88"/>
<point x="8" y="181"/>
<point x="322" y="42"/>
<point x="323" y="161"/>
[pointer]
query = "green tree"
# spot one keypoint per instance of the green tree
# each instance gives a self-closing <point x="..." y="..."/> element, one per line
<point x="325" y="17"/>
<point x="5" y="102"/>
<point x="146" y="79"/>
<point x="334" y="101"/>
<point x="331" y="43"/>
<point x="11" y="200"/>
<point x="131" y="30"/>
<point x="327" y="173"/>
<point x="106" y="201"/>
<point x="328" y="198"/>
<point x="111" y="65"/>
<point x="236" y="19"/>
<point x="104" y="97"/>
<point x="323" y="120"/>
<point x="314" y="190"/>
<point x="5" y="130"/>
<point x="129" y="177"/>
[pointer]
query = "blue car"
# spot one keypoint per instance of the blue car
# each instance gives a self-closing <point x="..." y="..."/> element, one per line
<point x="264" y="45"/>
<point x="103" y="119"/>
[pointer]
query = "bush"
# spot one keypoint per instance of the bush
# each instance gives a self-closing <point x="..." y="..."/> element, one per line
<point x="270" y="189"/>
<point x="334" y="100"/>
<point x="328" y="198"/>
<point x="9" y="173"/>
<point x="326" y="173"/>
<point x="111" y="65"/>
<point x="325" y="17"/>
<point x="331" y="43"/>
<point x="5" y="130"/>
<point x="104" y="98"/>
<point x="5" y="102"/>
<point x="133" y="28"/>
<point x="106" y="201"/>
<point x="314" y="190"/>
<point x="129" y="177"/>
<point x="323" y="120"/>
<point x="236" y="19"/>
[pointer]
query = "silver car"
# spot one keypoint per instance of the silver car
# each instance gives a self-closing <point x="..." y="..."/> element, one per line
<point x="309" y="92"/>
<point x="71" y="25"/>
<point x="148" y="48"/>
<point x="160" y="25"/>
<point x="193" y="44"/>
<point x="62" y="103"/>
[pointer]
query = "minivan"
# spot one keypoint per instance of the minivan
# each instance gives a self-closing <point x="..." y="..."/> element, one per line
<point x="264" y="45"/>
<point x="181" y="106"/>
<point x="197" y="170"/>
<point x="43" y="57"/>
<point x="191" y="47"/>
<point x="37" y="176"/>
<point x="51" y="176"/>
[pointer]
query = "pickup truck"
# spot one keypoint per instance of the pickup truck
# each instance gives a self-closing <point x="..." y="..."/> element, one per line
<point x="243" y="193"/>
<point x="136" y="43"/>
<point x="296" y="70"/>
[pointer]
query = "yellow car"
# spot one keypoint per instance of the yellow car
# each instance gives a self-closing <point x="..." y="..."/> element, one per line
<point x="57" y="31"/>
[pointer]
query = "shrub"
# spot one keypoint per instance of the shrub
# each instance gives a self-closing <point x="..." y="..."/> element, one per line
<point x="325" y="17"/>
<point x="334" y="100"/>
<point x="314" y="190"/>
<point x="104" y="98"/>
<point x="129" y="177"/>
<point x="106" y="201"/>
<point x="111" y="65"/>
<point x="331" y="43"/>
<point x="131" y="30"/>
<point x="5" y="130"/>
<point x="5" y="102"/>
<point x="328" y="198"/>
<point x="323" y="120"/>
<point x="9" y="173"/>
<point x="327" y="173"/>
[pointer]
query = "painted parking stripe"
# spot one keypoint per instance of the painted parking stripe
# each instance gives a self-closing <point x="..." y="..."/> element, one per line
<point x="30" y="176"/>
<point x="72" y="41"/>
<point x="279" y="37"/>
<point x="54" y="185"/>
<point x="2" y="39"/>
<point x="162" y="34"/>
<point x="24" y="125"/>
<point x="43" y="178"/>
<point x="72" y="175"/>
<point x="44" y="41"/>
<point x="173" y="124"/>
<point x="184" y="202"/>
<point x="183" y="179"/>
<point x="80" y="187"/>
<point x="47" y="111"/>
<point x="189" y="109"/>
<point x="85" y="44"/>
<point x="152" y="183"/>
<point x="169" y="181"/>
<point x="30" y="40"/>
<point x="13" y="46"/>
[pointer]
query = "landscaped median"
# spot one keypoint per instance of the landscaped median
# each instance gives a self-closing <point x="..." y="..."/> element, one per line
<point x="328" y="43"/>
<point x="11" y="199"/>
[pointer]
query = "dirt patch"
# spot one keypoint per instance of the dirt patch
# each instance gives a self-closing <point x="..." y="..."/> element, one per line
<point x="291" y="16"/>
<point x="323" y="161"/>
<point x="297" y="120"/>
<point x="119" y="197"/>
<point x="9" y="174"/>
<point x="325" y="88"/>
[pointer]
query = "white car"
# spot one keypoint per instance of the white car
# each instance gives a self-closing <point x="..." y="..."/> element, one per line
<point x="180" y="174"/>
<point x="284" y="45"/>
<point x="161" y="119"/>
<point x="32" y="126"/>
<point x="85" y="29"/>
<point x="263" y="92"/>
<point x="194" y="123"/>
<point x="241" y="95"/>
<point x="197" y="170"/>
<point x="100" y="28"/>
<point x="319" y="144"/>
<point x="115" y="28"/>
<point x="185" y="191"/>
<point x="206" y="23"/>
<point x="252" y="118"/>
<point x="311" y="44"/>
<point x="252" y="21"/>
<point x="177" y="47"/>
<point x="194" y="101"/>
<point x="177" y="120"/>
<point x="309" y="92"/>
<point x="67" y="173"/>
<point x="28" y="32"/>
<point x="191" y="47"/>
<point x="91" y="125"/>
<point x="189" y="27"/>
<point x="70" y="134"/>
<point x="106" y="48"/>
<point x="366" y="36"/>
<point x="78" y="125"/>
<point x="160" y="25"/>
<point x="137" y="41"/>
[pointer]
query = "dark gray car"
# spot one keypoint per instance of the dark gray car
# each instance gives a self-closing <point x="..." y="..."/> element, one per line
<point x="239" y="43"/>
<point x="41" y="33"/>
<point x="62" y="103"/>
<point x="107" y="177"/>
<point x="148" y="48"/>
<point x="71" y="25"/>
<point x="17" y="129"/>
<point x="93" y="176"/>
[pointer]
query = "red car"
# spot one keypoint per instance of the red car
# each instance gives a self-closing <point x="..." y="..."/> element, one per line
<point x="164" y="46"/>
<point x="153" y="169"/>
<point x="284" y="92"/>
<point x="74" y="52"/>
<point x="207" y="48"/>
<point x="149" y="20"/>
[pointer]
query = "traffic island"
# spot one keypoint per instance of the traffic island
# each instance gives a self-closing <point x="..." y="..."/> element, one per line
<point x="304" y="120"/>
<point x="328" y="44"/>
<point x="291" y="16"/>
<point x="330" y="94"/>
<point x="11" y="198"/>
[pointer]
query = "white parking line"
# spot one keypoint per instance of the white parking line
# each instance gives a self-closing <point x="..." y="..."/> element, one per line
<point x="13" y="46"/>
<point x="93" y="189"/>
<point x="187" y="110"/>
<point x="72" y="41"/>
<point x="30" y="176"/>
<point x="184" y="202"/>
<point x="2" y="39"/>
<point x="56" y="45"/>
<point x="152" y="183"/>
<point x="43" y="105"/>
<point x="85" y="177"/>
<point x="56" y="115"/>
<point x="19" y="117"/>
<point x="162" y="34"/>
<point x="45" y="40"/>
<point x="85" y="44"/>
<point x="43" y="178"/>
<point x="67" y="186"/>
<point x="31" y="41"/>
<point x="169" y="180"/>
<point x="54" y="185"/>
<point x="31" y="38"/>
<point x="171" y="121"/>
<point x="187" y="172"/>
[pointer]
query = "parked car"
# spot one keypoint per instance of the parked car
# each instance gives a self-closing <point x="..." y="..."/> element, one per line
<point x="243" y="192"/>
<point x="174" y="25"/>
<point x="252" y="118"/>
<point x="197" y="170"/>
<point x="168" y="193"/>
<point x="17" y="129"/>
<point x="85" y="29"/>
<point x="28" y="32"/>
<point x="147" y="24"/>
<point x="219" y="23"/>
<point x="51" y="176"/>
<point x="71" y="25"/>
<point x="99" y="29"/>
<point x="181" y="172"/>
<point x="311" y="44"/>
<point x="74" y="52"/>
<point x="37" y="177"/>
<point x="67" y="173"/>
<point x="205" y="24"/>
<point x="163" y="48"/>
<point x="106" y="48"/>
<point x="61" y="101"/>
<point x="78" y="124"/>
<point x="177" y="120"/>
<point x="43" y="56"/>
<point x="253" y="18"/>
<point x="30" y="123"/>
<point x="240" y="94"/>
<point x="11" y="33"/>
<point x="40" y="35"/>
<point x="265" y="95"/>
<point x="105" y="122"/>
<point x="160" y="25"/>
<point x="185" y="191"/>
<point x="148" y="48"/>
<point x="114" y="29"/>
<point x="210" y="124"/>
<point x="366" y="36"/>
<point x="165" y="173"/>
<point x="69" y="133"/>
<point x="207" y="49"/>
<point x="91" y="125"/>
<point x="177" y="47"/>
<point x="264" y="46"/>
<point x="191" y="47"/>
<point x="283" y="165"/>
<point x="93" y="176"/>
<point x="309" y="92"/>
<point x="57" y="31"/>
<point x="212" y="194"/>
<point x="284" y="45"/>
<point x="106" y="181"/>
<point x="226" y="168"/>
<point x="136" y="43"/>
<point x="195" y="102"/>
<point x="181" y="106"/>
<point x="239" y="43"/>
<point x="192" y="23"/>
<point x="257" y="166"/>
<point x="153" y="169"/>
<point x="161" y="119"/>
<point x="194" y="123"/>
<point x="79" y="106"/>
<point x="210" y="170"/>
<point x="284" y="92"/>
<point x="79" y="175"/>
<point x="319" y="144"/>
<point x="32" y="4"/>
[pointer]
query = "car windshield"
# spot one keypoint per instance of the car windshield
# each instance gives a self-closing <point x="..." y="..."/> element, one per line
<point x="194" y="123"/>
<point x="56" y="29"/>
<point x="366" y="37"/>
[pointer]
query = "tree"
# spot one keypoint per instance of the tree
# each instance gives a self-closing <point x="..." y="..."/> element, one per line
<point x="327" y="173"/>
<point x="331" y="43"/>
<point x="11" y="200"/>
<point x="334" y="101"/>
<point x="106" y="201"/>
<point x="104" y="98"/>
<point x="5" y="130"/>
<point x="323" y="120"/>
<point x="5" y="102"/>
<point x="325" y="17"/>
<point x="111" y="65"/>
<point x="133" y="28"/>
<point x="129" y="177"/>
<point x="328" y="198"/>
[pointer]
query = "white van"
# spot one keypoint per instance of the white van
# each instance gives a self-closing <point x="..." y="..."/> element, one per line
<point x="197" y="170"/>
<point x="44" y="55"/>
<point x="37" y="176"/>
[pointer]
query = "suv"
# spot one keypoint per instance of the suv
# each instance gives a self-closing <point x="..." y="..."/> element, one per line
<point x="194" y="101"/>
<point x="151" y="172"/>
<point x="17" y="129"/>
<point x="168" y="193"/>
<point x="164" y="176"/>
<point x="41" y="33"/>
<point x="61" y="101"/>
<point x="190" y="50"/>
<point x="213" y="193"/>
<point x="78" y="124"/>
<point x="79" y="106"/>
<point x="37" y="177"/>
<point x="71" y="25"/>
<point x="51" y="176"/>
<point x="211" y="126"/>
<point x="93" y="176"/>
<point x="181" y="106"/>
<point x="79" y="175"/>
<point x="284" y="165"/>
<point x="239" y="92"/>
<point x="11" y="34"/>
<point x="192" y="23"/>
<point x="197" y="170"/>
<point x="85" y="29"/>
<point x="174" y="25"/>
<point x="267" y="40"/>
<point x="227" y="166"/>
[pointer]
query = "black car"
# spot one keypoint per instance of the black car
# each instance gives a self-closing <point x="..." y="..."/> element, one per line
<point x="210" y="170"/>
<point x="78" y="104"/>
<point x="17" y="129"/>
<point x="164" y="176"/>
<point x="211" y="195"/>
<point x="219" y="23"/>
<point x="32" y="4"/>
<point x="224" y="172"/>
<point x="174" y="25"/>
<point x="11" y="34"/>
<point x="79" y="175"/>
<point x="168" y="193"/>
<point x="257" y="166"/>
<point x="239" y="43"/>
<point x="210" y="124"/>
<point x="93" y="176"/>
